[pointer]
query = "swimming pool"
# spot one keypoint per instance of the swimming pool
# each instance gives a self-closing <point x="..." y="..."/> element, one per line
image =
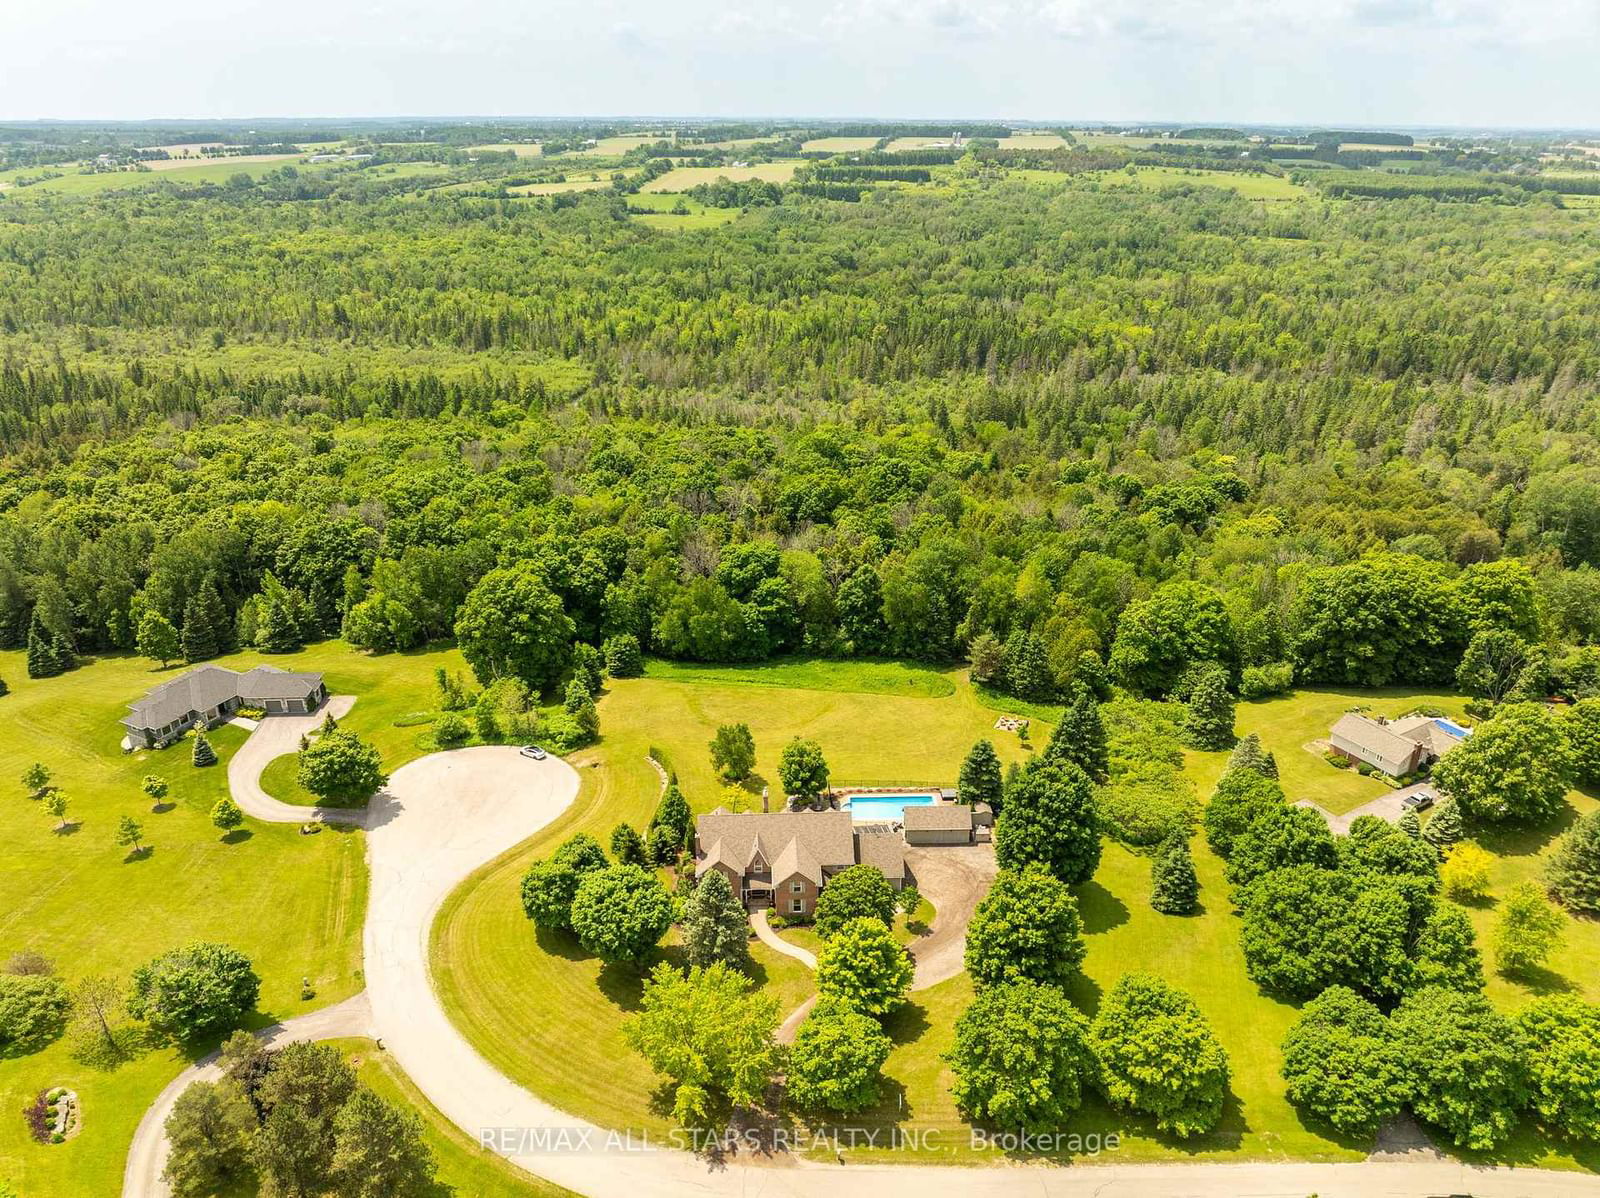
<point x="866" y="808"/>
<point x="1453" y="728"/>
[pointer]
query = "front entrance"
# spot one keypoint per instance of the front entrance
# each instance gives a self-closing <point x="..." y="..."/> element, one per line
<point x="758" y="896"/>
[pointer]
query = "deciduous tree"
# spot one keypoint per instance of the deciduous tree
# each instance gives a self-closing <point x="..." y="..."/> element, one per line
<point x="864" y="968"/>
<point x="1021" y="1057"/>
<point x="858" y="892"/>
<point x="1048" y="815"/>
<point x="1157" y="1055"/>
<point x="1027" y="926"/>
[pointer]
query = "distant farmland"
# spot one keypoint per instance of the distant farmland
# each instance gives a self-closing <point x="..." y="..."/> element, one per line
<point x="685" y="177"/>
<point x="838" y="145"/>
<point x="521" y="149"/>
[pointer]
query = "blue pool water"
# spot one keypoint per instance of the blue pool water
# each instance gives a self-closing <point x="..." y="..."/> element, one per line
<point x="1453" y="728"/>
<point x="882" y="807"/>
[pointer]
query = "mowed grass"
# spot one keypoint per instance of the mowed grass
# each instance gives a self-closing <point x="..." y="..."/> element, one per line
<point x="1288" y="725"/>
<point x="465" y="1170"/>
<point x="1250" y="185"/>
<point x="682" y="178"/>
<point x="294" y="904"/>
<point x="499" y="977"/>
<point x="819" y="674"/>
<point x="661" y="212"/>
<point x="216" y="170"/>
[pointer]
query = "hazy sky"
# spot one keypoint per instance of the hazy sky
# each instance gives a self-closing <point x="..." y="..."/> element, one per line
<point x="1458" y="62"/>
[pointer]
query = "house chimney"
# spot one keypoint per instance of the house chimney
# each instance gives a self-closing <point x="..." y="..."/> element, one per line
<point x="765" y="807"/>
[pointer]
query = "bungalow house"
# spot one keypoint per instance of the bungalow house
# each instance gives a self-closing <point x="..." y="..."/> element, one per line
<point x="784" y="859"/>
<point x="1397" y="747"/>
<point x="209" y="695"/>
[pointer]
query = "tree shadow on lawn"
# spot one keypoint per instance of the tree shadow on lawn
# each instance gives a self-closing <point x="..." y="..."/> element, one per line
<point x="908" y="1023"/>
<point x="144" y="852"/>
<point x="1084" y="993"/>
<point x="70" y="828"/>
<point x="1526" y="839"/>
<point x="623" y="981"/>
<point x="1099" y="908"/>
<point x="1541" y="981"/>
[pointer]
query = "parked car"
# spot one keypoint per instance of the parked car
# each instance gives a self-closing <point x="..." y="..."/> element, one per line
<point x="534" y="751"/>
<point x="1420" y="801"/>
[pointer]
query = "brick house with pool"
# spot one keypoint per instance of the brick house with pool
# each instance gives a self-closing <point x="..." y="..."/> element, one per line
<point x="784" y="859"/>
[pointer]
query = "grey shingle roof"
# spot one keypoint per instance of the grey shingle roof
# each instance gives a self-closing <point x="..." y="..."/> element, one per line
<point x="204" y="687"/>
<point x="938" y="817"/>
<point x="884" y="849"/>
<point x="269" y="682"/>
<point x="826" y="836"/>
<point x="199" y="690"/>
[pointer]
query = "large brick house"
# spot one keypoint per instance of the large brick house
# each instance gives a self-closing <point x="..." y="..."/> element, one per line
<point x="785" y="859"/>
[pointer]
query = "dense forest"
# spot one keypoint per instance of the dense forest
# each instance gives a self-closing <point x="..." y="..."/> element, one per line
<point x="1058" y="428"/>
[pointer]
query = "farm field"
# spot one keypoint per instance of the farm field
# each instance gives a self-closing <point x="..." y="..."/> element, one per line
<point x="838" y="145"/>
<point x="684" y="177"/>
<point x="522" y="149"/>
<point x="71" y="182"/>
<point x="1251" y="186"/>
<point x="663" y="212"/>
<point x="1032" y="141"/>
<point x="75" y="897"/>
<point x="584" y="182"/>
<point x="621" y="144"/>
<point x="917" y="143"/>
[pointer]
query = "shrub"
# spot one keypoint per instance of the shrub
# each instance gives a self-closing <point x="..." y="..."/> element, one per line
<point x="1021" y="1057"/>
<point x="33" y="1012"/>
<point x="194" y="991"/>
<point x="1148" y="806"/>
<point x="1262" y="682"/>
<point x="623" y="659"/>
<point x="1465" y="872"/>
<point x="855" y="893"/>
<point x="1157" y="1055"/>
<point x="450" y="730"/>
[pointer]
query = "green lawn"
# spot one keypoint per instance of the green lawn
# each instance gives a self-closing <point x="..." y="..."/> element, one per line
<point x="293" y="903"/>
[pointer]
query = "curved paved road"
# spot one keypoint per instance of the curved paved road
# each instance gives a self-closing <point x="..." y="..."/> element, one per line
<point x="445" y="815"/>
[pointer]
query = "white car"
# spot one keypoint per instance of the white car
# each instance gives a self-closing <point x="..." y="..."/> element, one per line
<point x="534" y="751"/>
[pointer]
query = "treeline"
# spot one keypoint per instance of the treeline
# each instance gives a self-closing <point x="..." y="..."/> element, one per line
<point x="870" y="174"/>
<point x="1360" y="137"/>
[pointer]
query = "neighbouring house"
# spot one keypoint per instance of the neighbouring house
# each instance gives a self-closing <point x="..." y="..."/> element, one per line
<point x="784" y="859"/>
<point x="938" y="823"/>
<point x="1397" y="747"/>
<point x="209" y="695"/>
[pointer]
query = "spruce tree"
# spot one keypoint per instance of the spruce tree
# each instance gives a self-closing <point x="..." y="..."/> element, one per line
<point x="672" y="813"/>
<point x="1027" y="667"/>
<point x="1080" y="737"/>
<point x="1410" y="824"/>
<point x="61" y="652"/>
<point x="979" y="781"/>
<point x="204" y="754"/>
<point x="1574" y="871"/>
<point x="1208" y="723"/>
<point x="627" y="846"/>
<point x="1248" y="754"/>
<point x="1444" y="829"/>
<point x="1174" y="887"/>
<point x="205" y="622"/>
<point x="42" y="660"/>
<point x="714" y="924"/>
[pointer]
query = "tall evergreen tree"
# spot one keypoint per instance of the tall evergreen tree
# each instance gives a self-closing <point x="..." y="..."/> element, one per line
<point x="979" y="781"/>
<point x="1080" y="737"/>
<point x="1249" y="754"/>
<point x="203" y="754"/>
<point x="1444" y="829"/>
<point x="1027" y="666"/>
<point x="1208" y="723"/>
<point x="1574" y="871"/>
<point x="1174" y="887"/>
<point x="278" y="620"/>
<point x="42" y="659"/>
<point x="205" y="623"/>
<point x="714" y="924"/>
